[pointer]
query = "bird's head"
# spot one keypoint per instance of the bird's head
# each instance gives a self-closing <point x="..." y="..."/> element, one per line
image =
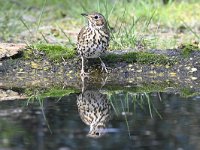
<point x="95" y="20"/>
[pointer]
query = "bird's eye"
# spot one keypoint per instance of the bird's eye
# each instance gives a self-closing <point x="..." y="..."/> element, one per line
<point x="96" y="17"/>
<point x="97" y="133"/>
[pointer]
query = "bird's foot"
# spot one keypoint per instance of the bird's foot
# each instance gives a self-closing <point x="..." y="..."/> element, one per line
<point x="103" y="67"/>
<point x="84" y="74"/>
<point x="103" y="82"/>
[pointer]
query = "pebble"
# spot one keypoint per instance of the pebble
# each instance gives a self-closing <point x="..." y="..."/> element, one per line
<point x="193" y="78"/>
<point x="173" y="74"/>
<point x="193" y="69"/>
<point x="139" y="70"/>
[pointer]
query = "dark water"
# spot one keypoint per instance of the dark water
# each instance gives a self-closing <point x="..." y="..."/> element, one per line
<point x="102" y="120"/>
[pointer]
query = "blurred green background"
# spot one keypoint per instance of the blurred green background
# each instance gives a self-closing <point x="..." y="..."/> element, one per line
<point x="134" y="24"/>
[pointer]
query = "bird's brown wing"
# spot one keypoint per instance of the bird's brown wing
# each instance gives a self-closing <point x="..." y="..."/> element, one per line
<point x="81" y="33"/>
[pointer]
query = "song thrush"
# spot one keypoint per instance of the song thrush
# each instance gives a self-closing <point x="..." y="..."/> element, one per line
<point x="93" y="39"/>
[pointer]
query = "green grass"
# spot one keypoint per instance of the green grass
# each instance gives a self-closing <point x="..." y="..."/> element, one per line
<point x="129" y="102"/>
<point x="132" y="23"/>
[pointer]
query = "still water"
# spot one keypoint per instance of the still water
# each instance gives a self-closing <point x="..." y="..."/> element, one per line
<point x="99" y="119"/>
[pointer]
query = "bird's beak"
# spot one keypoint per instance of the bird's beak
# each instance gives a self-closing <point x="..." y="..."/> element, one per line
<point x="84" y="14"/>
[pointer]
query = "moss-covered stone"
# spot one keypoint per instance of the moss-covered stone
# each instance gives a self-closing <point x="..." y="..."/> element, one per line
<point x="57" y="52"/>
<point x="139" y="57"/>
<point x="53" y="52"/>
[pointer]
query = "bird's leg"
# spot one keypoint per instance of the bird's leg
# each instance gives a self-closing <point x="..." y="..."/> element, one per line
<point x="83" y="84"/>
<point x="83" y="73"/>
<point x="82" y="66"/>
<point x="103" y="65"/>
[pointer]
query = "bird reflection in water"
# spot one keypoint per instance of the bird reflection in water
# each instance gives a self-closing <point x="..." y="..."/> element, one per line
<point x="94" y="110"/>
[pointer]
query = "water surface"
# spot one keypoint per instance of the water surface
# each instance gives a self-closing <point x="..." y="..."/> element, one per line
<point x="100" y="119"/>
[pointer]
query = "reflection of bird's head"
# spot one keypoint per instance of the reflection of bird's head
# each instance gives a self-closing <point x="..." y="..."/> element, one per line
<point x="95" y="20"/>
<point x="97" y="131"/>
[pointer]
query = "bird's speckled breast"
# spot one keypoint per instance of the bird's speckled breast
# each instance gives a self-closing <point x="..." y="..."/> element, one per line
<point x="93" y="43"/>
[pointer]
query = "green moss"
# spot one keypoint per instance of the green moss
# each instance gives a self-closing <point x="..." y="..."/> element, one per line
<point x="28" y="54"/>
<point x="188" y="92"/>
<point x="147" y="58"/>
<point x="58" y="92"/>
<point x="139" y="57"/>
<point x="38" y="94"/>
<point x="148" y="88"/>
<point x="112" y="58"/>
<point x="187" y="49"/>
<point x="55" y="52"/>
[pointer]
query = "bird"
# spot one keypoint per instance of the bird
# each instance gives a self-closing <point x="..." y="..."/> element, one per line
<point x="93" y="39"/>
<point x="94" y="110"/>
